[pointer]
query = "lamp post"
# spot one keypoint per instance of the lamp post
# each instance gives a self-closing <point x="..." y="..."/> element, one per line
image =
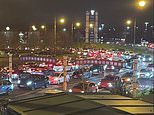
<point x="62" y="20"/>
<point x="129" y="23"/>
<point x="140" y="4"/>
<point x="74" y="26"/>
<point x="8" y="36"/>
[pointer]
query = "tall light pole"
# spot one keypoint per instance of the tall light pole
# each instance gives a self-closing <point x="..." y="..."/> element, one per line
<point x="140" y="4"/>
<point x="129" y="23"/>
<point x="74" y="26"/>
<point x="8" y="36"/>
<point x="62" y="20"/>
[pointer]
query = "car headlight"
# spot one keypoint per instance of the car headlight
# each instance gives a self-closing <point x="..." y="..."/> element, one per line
<point x="19" y="81"/>
<point x="110" y="84"/>
<point x="128" y="79"/>
<point x="138" y="73"/>
<point x="99" y="83"/>
<point x="12" y="86"/>
<point x="95" y="70"/>
<point x="56" y="79"/>
<point x="147" y="74"/>
<point x="143" y="59"/>
<point x="29" y="82"/>
<point x="70" y="90"/>
<point x="150" y="59"/>
<point x="82" y="91"/>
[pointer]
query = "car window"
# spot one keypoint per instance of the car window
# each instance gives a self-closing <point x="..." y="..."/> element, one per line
<point x="91" y="85"/>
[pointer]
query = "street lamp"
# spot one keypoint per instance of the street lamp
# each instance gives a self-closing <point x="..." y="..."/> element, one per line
<point x="34" y="28"/>
<point x="43" y="27"/>
<point x="140" y="4"/>
<point x="62" y="21"/>
<point x="8" y="36"/>
<point x="74" y="26"/>
<point x="7" y="28"/>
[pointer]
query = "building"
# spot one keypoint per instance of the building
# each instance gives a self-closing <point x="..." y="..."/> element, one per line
<point x="91" y="34"/>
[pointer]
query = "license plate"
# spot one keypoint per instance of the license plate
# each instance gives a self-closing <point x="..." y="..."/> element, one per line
<point x="22" y="86"/>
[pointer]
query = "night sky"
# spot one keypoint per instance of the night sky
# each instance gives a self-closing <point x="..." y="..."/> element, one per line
<point x="114" y="12"/>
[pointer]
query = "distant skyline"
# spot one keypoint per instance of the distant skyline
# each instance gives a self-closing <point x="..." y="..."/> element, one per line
<point x="26" y="12"/>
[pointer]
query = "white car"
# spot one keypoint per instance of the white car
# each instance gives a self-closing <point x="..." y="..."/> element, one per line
<point x="58" y="78"/>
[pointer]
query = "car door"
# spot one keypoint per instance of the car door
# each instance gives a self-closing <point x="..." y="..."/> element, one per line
<point x="37" y="81"/>
<point x="61" y="77"/>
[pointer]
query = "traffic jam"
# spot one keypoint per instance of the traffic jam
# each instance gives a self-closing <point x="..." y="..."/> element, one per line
<point x="89" y="71"/>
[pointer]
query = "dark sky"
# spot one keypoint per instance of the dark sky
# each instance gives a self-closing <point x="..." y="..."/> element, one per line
<point x="114" y="12"/>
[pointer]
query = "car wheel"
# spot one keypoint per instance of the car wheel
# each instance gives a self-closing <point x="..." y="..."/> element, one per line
<point x="46" y="85"/>
<point x="58" y="82"/>
<point x="33" y="88"/>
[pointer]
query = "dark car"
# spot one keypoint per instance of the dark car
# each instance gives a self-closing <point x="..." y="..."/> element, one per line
<point x="127" y="77"/>
<point x="6" y="87"/>
<point x="83" y="87"/>
<point x="33" y="81"/>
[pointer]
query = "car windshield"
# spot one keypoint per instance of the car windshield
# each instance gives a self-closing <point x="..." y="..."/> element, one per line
<point x="110" y="78"/>
<point x="56" y="74"/>
<point x="24" y="75"/>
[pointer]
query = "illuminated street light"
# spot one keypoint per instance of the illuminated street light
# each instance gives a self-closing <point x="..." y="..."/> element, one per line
<point x="62" y="20"/>
<point x="77" y="24"/>
<point x="34" y="28"/>
<point x="7" y="28"/>
<point x="128" y="22"/>
<point x="64" y="29"/>
<point x="91" y="25"/>
<point x="43" y="27"/>
<point x="142" y="3"/>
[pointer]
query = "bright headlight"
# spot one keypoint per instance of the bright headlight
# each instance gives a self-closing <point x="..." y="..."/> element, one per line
<point x="82" y="91"/>
<point x="12" y="86"/>
<point x="128" y="79"/>
<point x="29" y="82"/>
<point x="150" y="59"/>
<point x="95" y="70"/>
<point x="147" y="74"/>
<point x="70" y="90"/>
<point x="143" y="59"/>
<point x="56" y="78"/>
<point x="99" y="83"/>
<point x="19" y="81"/>
<point x="110" y="84"/>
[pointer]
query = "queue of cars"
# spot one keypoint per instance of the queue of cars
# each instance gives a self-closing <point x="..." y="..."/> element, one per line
<point x="32" y="76"/>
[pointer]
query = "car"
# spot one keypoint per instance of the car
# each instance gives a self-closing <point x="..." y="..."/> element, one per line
<point x="144" y="73"/>
<point x="58" y="77"/>
<point x="96" y="69"/>
<point x="84" y="87"/>
<point x="33" y="81"/>
<point x="147" y="58"/>
<point x="127" y="77"/>
<point x="151" y="67"/>
<point x="109" y="82"/>
<point x="6" y="87"/>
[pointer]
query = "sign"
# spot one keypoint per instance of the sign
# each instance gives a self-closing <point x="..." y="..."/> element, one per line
<point x="33" y="58"/>
<point x="103" y="62"/>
